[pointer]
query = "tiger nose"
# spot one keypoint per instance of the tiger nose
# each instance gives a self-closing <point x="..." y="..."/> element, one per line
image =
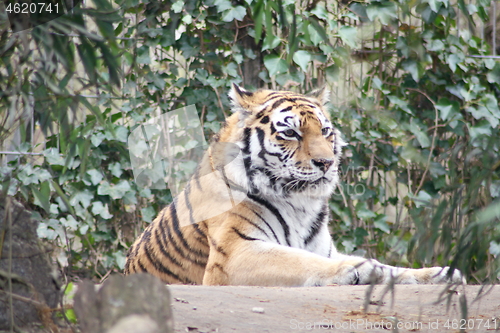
<point x="322" y="163"/>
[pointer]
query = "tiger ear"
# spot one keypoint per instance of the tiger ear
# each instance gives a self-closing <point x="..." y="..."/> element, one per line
<point x="240" y="99"/>
<point x="322" y="94"/>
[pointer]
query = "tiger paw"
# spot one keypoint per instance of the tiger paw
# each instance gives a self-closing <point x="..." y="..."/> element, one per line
<point x="432" y="275"/>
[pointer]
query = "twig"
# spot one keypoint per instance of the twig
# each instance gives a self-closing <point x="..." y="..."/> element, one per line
<point x="433" y="138"/>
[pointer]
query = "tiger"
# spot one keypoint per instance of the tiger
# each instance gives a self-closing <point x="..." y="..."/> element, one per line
<point x="255" y="211"/>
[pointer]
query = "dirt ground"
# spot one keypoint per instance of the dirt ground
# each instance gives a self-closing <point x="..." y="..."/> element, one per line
<point x="411" y="308"/>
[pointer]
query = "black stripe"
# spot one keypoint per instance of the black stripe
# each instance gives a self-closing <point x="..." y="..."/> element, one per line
<point x="187" y="191"/>
<point x="216" y="265"/>
<point x="247" y="132"/>
<point x="288" y="108"/>
<point x="251" y="222"/>
<point x="162" y="245"/>
<point x="276" y="213"/>
<point x="200" y="232"/>
<point x="171" y="241"/>
<point x="264" y="120"/>
<point x="242" y="235"/>
<point x="267" y="224"/>
<point x="316" y="225"/>
<point x="159" y="266"/>
<point x="141" y="266"/>
<point x="175" y="224"/>
<point x="217" y="247"/>
<point x="196" y="178"/>
<point x="278" y="103"/>
<point x="273" y="129"/>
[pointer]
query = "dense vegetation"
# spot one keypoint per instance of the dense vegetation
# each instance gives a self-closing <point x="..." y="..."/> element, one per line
<point x="411" y="91"/>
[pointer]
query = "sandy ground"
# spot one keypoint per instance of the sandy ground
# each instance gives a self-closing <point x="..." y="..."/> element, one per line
<point x="411" y="308"/>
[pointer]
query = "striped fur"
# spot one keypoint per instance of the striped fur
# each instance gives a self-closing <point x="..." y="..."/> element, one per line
<point x="256" y="210"/>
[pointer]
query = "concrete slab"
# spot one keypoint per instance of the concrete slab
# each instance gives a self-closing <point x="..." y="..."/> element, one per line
<point x="410" y="308"/>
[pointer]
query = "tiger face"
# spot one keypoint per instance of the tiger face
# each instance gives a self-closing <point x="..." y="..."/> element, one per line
<point x="288" y="142"/>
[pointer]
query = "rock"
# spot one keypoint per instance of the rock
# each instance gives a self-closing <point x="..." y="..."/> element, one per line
<point x="24" y="261"/>
<point x="135" y="324"/>
<point x="129" y="304"/>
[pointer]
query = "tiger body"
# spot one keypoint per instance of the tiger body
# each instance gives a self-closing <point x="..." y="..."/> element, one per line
<point x="256" y="210"/>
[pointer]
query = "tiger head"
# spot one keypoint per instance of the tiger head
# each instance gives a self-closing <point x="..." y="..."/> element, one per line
<point x="287" y="141"/>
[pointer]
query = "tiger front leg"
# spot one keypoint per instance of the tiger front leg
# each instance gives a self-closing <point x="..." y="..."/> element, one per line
<point x="372" y="271"/>
<point x="257" y="263"/>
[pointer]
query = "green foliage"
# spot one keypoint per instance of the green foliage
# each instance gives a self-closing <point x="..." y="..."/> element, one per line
<point x="421" y="179"/>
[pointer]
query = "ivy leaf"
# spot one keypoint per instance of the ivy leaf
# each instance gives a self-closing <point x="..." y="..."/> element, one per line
<point x="114" y="191"/>
<point x="413" y="68"/>
<point x="99" y="209"/>
<point x="314" y="35"/>
<point x="148" y="214"/>
<point x="302" y="58"/>
<point x="494" y="248"/>
<point x="177" y="6"/>
<point x="494" y="75"/>
<point x="403" y="105"/>
<point x="422" y="137"/>
<point x="447" y="109"/>
<point x="320" y="12"/>
<point x="385" y="12"/>
<point x="222" y="5"/>
<point x="83" y="197"/>
<point x="275" y="64"/>
<point x="381" y="223"/>
<point x="332" y="73"/>
<point x="349" y="35"/>
<point x="235" y="13"/>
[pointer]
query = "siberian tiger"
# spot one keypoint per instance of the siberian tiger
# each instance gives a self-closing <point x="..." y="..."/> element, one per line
<point x="256" y="210"/>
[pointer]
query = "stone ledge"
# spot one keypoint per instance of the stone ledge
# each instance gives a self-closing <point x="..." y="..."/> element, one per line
<point x="259" y="309"/>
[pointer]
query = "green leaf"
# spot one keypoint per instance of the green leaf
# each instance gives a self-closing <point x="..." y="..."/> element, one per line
<point x="494" y="75"/>
<point x="332" y="73"/>
<point x="275" y="64"/>
<point x="302" y="58"/>
<point x="320" y="11"/>
<point x="83" y="197"/>
<point x="148" y="214"/>
<point x="116" y="169"/>
<point x="120" y="260"/>
<point x="384" y="11"/>
<point x="494" y="248"/>
<point x="178" y="6"/>
<point x="422" y="199"/>
<point x="114" y="191"/>
<point x="223" y="5"/>
<point x="320" y="33"/>
<point x="258" y="18"/>
<point x="349" y="35"/>
<point x="42" y="196"/>
<point x="435" y="45"/>
<point x="403" y="105"/>
<point x="52" y="156"/>
<point x="99" y="209"/>
<point x="235" y="13"/>
<point x="453" y="59"/>
<point x="447" y="109"/>
<point x="69" y="222"/>
<point x="422" y="137"/>
<point x="413" y="68"/>
<point x="381" y="223"/>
